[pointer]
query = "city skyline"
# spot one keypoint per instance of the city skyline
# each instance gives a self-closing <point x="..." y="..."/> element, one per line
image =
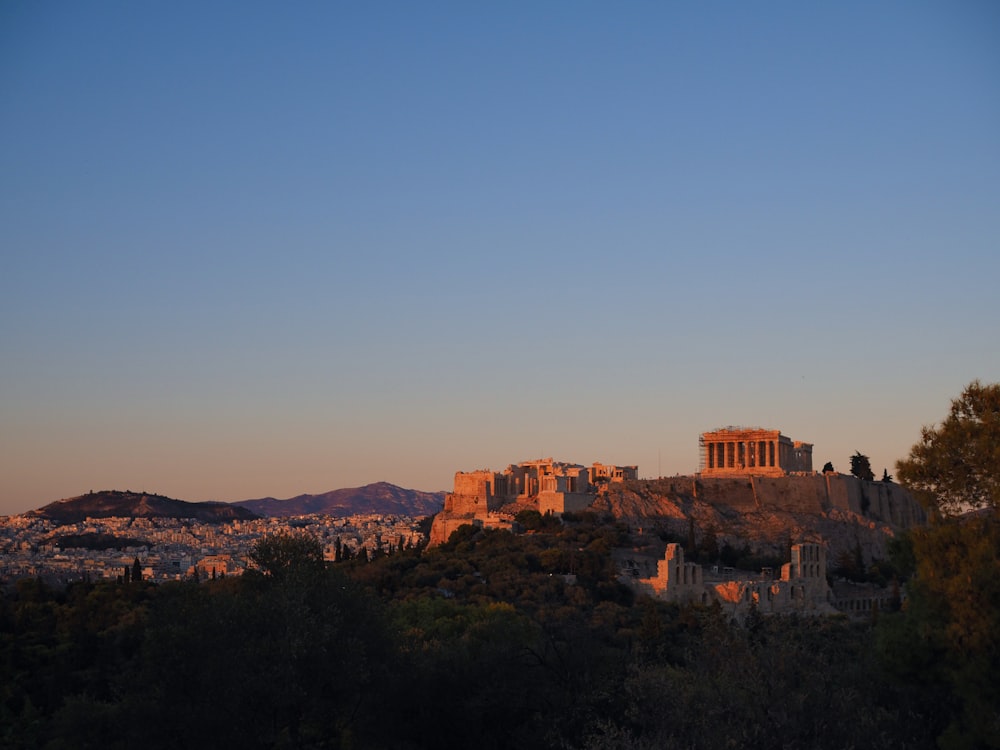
<point x="252" y="251"/>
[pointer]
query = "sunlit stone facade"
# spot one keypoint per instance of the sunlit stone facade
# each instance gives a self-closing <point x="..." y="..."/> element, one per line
<point x="737" y="451"/>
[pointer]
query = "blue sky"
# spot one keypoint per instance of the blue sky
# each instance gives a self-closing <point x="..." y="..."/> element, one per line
<point x="253" y="249"/>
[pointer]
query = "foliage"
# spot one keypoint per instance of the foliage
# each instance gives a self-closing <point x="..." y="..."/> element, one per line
<point x="946" y="639"/>
<point x="284" y="555"/>
<point x="828" y="467"/>
<point x="492" y="640"/>
<point x="861" y="467"/>
<point x="956" y="465"/>
<point x="948" y="635"/>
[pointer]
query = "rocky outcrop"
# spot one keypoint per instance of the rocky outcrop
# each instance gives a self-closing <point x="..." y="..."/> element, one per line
<point x="770" y="513"/>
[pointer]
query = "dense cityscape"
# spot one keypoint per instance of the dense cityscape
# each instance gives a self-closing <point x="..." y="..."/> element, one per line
<point x="174" y="549"/>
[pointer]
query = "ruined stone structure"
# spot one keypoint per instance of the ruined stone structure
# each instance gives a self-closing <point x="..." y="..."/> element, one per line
<point x="801" y="588"/>
<point x="738" y="451"/>
<point x="601" y="472"/>
<point x="557" y="487"/>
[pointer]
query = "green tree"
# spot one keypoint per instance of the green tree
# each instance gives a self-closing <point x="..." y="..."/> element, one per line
<point x="956" y="465"/>
<point x="530" y="519"/>
<point x="283" y="555"/>
<point x="861" y="467"/>
<point x="948" y="633"/>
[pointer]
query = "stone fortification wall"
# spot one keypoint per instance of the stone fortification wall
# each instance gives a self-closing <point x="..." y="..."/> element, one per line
<point x="734" y="493"/>
<point x="479" y="483"/>
<point x="475" y="492"/>
<point x="563" y="502"/>
<point x="810" y="493"/>
<point x="464" y="504"/>
<point x="794" y="494"/>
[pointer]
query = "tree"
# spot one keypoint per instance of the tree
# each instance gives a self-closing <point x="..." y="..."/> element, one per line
<point x="956" y="465"/>
<point x="948" y="633"/>
<point x="886" y="476"/>
<point x="861" y="467"/>
<point x="136" y="571"/>
<point x="828" y="468"/>
<point x="282" y="555"/>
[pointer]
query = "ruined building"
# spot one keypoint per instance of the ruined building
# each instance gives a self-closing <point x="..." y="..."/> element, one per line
<point x="557" y="487"/>
<point x="802" y="586"/>
<point x="738" y="451"/>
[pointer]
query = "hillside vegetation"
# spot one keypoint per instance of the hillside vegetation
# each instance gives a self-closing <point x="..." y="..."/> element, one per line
<point x="491" y="640"/>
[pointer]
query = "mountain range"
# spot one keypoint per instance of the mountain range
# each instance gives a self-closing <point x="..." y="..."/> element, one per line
<point x="380" y="497"/>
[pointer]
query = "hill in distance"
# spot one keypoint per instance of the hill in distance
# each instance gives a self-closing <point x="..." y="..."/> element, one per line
<point x="127" y="504"/>
<point x="380" y="497"/>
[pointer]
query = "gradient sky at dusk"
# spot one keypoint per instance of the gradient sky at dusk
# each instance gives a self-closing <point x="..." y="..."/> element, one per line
<point x="261" y="249"/>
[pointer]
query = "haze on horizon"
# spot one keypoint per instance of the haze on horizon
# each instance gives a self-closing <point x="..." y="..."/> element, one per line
<point x="255" y="250"/>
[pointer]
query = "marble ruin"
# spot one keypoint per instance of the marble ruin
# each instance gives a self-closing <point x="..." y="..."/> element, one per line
<point x="557" y="487"/>
<point x="739" y="451"/>
<point x="802" y="586"/>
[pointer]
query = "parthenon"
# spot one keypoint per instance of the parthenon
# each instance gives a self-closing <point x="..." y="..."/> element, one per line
<point x="738" y="451"/>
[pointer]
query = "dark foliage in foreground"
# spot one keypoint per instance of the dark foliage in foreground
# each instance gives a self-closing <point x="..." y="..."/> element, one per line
<point x="490" y="641"/>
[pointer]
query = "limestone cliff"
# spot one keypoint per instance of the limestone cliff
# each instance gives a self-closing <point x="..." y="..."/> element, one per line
<point x="770" y="512"/>
<point x="839" y="510"/>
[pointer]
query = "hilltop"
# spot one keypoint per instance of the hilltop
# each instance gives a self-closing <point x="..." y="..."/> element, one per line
<point x="128" y="504"/>
<point x="842" y="511"/>
<point x="380" y="497"/>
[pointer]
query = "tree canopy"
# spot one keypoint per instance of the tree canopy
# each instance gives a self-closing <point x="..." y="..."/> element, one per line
<point x="861" y="467"/>
<point x="281" y="555"/>
<point x="956" y="465"/>
<point x="947" y="637"/>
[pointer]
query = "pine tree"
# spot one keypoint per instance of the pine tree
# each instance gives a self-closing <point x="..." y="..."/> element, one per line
<point x="861" y="467"/>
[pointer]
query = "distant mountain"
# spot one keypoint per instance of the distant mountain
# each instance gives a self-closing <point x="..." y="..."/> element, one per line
<point x="380" y="497"/>
<point x="114" y="503"/>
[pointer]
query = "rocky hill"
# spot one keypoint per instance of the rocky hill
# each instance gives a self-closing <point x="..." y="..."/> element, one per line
<point x="127" y="504"/>
<point x="380" y="497"/>
<point x="838" y="510"/>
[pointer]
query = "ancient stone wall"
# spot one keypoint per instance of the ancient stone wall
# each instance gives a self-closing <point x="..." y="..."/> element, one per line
<point x="795" y="494"/>
<point x="474" y="483"/>
<point x="563" y="502"/>
<point x="809" y="493"/>
<point x="801" y="588"/>
<point x="736" y="493"/>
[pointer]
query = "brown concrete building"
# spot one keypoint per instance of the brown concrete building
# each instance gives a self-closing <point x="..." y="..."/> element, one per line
<point x="738" y="451"/>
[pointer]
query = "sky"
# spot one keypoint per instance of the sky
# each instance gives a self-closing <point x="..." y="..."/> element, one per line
<point x="264" y="249"/>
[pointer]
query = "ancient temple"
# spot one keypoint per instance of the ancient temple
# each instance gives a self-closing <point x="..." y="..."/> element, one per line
<point x="738" y="451"/>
